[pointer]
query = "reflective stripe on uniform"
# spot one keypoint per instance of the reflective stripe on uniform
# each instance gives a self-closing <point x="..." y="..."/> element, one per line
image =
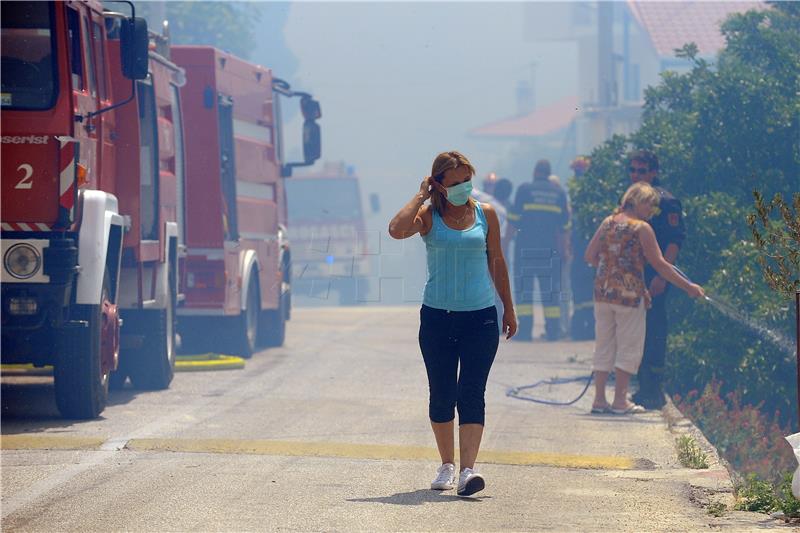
<point x="542" y="207"/>
<point x="513" y="216"/>
<point x="524" y="309"/>
<point x="583" y="305"/>
<point x="552" y="312"/>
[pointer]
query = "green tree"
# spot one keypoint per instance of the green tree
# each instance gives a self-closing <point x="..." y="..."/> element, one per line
<point x="230" y="26"/>
<point x="722" y="130"/>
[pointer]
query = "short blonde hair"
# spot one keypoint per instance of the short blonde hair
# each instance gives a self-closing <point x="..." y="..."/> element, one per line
<point x="637" y="194"/>
<point x="444" y="162"/>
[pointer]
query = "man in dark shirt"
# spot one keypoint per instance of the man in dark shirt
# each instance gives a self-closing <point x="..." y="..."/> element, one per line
<point x="538" y="221"/>
<point x="670" y="234"/>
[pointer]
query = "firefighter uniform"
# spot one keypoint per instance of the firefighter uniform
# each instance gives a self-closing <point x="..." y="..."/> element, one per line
<point x="669" y="228"/>
<point x="539" y="215"/>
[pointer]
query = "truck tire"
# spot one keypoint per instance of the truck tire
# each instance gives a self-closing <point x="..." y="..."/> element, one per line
<point x="153" y="367"/>
<point x="244" y="335"/>
<point x="273" y="323"/>
<point x="81" y="386"/>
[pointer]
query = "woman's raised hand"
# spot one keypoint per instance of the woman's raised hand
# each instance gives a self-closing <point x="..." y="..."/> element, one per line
<point x="425" y="188"/>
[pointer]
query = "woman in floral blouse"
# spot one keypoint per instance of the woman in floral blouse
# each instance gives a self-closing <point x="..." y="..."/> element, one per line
<point x="619" y="249"/>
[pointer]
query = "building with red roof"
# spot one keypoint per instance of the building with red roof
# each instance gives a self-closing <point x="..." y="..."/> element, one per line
<point x="640" y="40"/>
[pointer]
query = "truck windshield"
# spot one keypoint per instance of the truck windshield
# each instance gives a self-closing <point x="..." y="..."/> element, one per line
<point x="323" y="200"/>
<point x="28" y="72"/>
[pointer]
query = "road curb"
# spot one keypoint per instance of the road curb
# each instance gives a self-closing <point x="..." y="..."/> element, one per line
<point x="718" y="482"/>
<point x="681" y="425"/>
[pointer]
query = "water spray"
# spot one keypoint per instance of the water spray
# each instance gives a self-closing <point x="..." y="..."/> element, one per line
<point x="721" y="305"/>
<point x="734" y="314"/>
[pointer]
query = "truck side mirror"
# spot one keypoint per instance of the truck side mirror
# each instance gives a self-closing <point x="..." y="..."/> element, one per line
<point x="134" y="48"/>
<point x="312" y="142"/>
<point x="310" y="108"/>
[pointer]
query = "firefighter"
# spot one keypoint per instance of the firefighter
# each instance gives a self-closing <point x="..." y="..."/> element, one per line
<point x="667" y="222"/>
<point x="581" y="274"/>
<point x="539" y="218"/>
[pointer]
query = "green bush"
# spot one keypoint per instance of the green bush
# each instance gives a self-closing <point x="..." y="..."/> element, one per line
<point x="690" y="454"/>
<point x="756" y="495"/>
<point x="789" y="505"/>
<point x="720" y="131"/>
<point x="761" y="496"/>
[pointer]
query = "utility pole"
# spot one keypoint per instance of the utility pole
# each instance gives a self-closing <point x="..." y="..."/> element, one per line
<point x="605" y="53"/>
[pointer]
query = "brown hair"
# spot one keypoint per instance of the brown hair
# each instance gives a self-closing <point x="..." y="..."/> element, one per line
<point x="636" y="194"/>
<point x="644" y="156"/>
<point x="444" y="162"/>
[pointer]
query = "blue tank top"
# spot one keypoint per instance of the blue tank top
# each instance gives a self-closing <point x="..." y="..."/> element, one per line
<point x="458" y="267"/>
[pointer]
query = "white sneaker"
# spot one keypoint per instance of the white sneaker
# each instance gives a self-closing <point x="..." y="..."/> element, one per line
<point x="445" y="477"/>
<point x="470" y="482"/>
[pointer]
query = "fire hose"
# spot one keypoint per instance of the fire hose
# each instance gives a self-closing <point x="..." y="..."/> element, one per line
<point x="722" y="306"/>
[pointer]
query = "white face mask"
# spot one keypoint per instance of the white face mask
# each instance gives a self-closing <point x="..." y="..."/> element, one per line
<point x="459" y="194"/>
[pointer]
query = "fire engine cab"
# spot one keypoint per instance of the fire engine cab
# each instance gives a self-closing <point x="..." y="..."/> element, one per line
<point x="89" y="231"/>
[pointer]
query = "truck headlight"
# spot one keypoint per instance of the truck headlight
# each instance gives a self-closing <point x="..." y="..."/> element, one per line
<point x="22" y="261"/>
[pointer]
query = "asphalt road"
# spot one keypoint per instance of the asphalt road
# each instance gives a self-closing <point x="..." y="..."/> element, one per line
<point x="330" y="433"/>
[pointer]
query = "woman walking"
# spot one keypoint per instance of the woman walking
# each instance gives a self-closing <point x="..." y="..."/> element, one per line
<point x="619" y="249"/>
<point x="458" y="319"/>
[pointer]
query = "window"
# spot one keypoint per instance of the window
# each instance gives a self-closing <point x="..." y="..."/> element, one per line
<point x="87" y="54"/>
<point x="148" y="161"/>
<point x="29" y="72"/>
<point x="180" y="170"/>
<point x="227" y="156"/>
<point x="100" y="59"/>
<point x="324" y="200"/>
<point x="75" y="53"/>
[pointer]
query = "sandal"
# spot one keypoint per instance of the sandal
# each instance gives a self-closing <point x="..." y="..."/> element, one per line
<point x="632" y="409"/>
<point x="606" y="409"/>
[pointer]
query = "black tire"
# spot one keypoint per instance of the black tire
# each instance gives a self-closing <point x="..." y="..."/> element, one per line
<point x="244" y="339"/>
<point x="81" y="386"/>
<point x="273" y="324"/>
<point x="153" y="366"/>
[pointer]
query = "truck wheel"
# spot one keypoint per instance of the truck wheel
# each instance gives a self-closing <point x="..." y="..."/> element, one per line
<point x="81" y="385"/>
<point x="245" y="331"/>
<point x="273" y="323"/>
<point x="153" y="367"/>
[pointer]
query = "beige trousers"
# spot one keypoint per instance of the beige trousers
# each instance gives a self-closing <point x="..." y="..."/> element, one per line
<point x="619" y="337"/>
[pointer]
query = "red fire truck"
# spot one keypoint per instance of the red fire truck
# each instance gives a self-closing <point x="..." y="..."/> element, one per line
<point x="236" y="276"/>
<point x="62" y="229"/>
<point x="150" y="186"/>
<point x="89" y="189"/>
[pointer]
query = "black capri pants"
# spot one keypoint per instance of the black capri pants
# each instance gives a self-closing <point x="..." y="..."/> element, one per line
<point x="450" y="338"/>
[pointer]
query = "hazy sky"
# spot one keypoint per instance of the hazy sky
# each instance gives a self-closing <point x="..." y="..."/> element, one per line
<point x="400" y="82"/>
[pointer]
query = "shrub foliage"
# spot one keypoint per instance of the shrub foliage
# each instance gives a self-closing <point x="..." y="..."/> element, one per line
<point x="721" y="131"/>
